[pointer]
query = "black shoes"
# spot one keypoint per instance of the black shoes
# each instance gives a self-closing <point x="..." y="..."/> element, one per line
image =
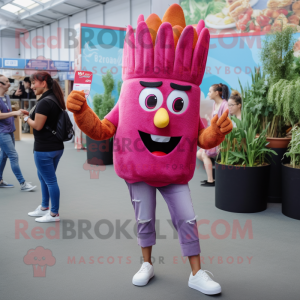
<point x="206" y="183"/>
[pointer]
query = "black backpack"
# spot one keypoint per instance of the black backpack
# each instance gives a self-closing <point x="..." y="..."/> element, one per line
<point x="64" y="129"/>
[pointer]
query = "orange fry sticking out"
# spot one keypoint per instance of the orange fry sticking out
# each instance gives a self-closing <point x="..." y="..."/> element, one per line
<point x="175" y="16"/>
<point x="153" y="22"/>
<point x="177" y="30"/>
<point x="195" y="38"/>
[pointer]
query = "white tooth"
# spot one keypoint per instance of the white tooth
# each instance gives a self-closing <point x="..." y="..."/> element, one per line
<point x="160" y="138"/>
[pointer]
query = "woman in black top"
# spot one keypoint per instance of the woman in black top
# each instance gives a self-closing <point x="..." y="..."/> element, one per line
<point x="47" y="148"/>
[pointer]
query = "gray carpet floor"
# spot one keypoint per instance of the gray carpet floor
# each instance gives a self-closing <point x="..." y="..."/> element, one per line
<point x="100" y="266"/>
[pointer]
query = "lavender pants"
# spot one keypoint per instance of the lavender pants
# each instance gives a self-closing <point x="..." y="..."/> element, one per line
<point x="178" y="199"/>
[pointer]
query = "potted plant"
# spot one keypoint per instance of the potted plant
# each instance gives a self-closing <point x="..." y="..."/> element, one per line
<point x="102" y="151"/>
<point x="243" y="164"/>
<point x="273" y="98"/>
<point x="277" y="57"/>
<point x="291" y="177"/>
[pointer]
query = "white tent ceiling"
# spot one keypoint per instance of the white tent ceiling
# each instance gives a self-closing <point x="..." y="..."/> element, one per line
<point x="31" y="14"/>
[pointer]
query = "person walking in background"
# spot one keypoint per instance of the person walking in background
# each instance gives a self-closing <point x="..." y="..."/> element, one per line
<point x="24" y="91"/>
<point x="7" y="139"/>
<point x="47" y="148"/>
<point x="235" y="105"/>
<point x="219" y="93"/>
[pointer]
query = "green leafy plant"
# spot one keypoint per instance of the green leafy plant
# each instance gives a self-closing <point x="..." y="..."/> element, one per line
<point x="285" y="96"/>
<point x="104" y="103"/>
<point x="297" y="65"/>
<point x="277" y="55"/>
<point x="255" y="97"/>
<point x="242" y="146"/>
<point x="294" y="147"/>
<point x="195" y="10"/>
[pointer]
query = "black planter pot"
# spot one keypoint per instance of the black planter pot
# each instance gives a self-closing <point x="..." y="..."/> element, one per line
<point x="274" y="185"/>
<point x="290" y="192"/>
<point x="99" y="152"/>
<point x="241" y="189"/>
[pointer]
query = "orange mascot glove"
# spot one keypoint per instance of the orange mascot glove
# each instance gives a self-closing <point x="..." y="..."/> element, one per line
<point x="214" y="135"/>
<point x="87" y="120"/>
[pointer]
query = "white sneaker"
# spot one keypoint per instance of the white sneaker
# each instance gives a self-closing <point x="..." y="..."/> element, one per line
<point x="203" y="283"/>
<point x="143" y="276"/>
<point x="38" y="212"/>
<point x="4" y="184"/>
<point x="27" y="187"/>
<point x="48" y="218"/>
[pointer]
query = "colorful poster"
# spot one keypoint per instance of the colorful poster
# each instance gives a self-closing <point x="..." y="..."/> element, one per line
<point x="238" y="29"/>
<point x="243" y="16"/>
<point x="101" y="51"/>
<point x="231" y="59"/>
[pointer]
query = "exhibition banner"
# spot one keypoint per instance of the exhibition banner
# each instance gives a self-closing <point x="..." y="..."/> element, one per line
<point x="241" y="17"/>
<point x="231" y="59"/>
<point x="13" y="63"/>
<point x="59" y="65"/>
<point x="37" y="64"/>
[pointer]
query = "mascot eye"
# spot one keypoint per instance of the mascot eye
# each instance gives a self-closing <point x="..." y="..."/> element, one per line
<point x="150" y="99"/>
<point x="177" y="102"/>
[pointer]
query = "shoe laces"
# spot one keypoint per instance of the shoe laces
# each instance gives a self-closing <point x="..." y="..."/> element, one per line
<point x="205" y="276"/>
<point x="144" y="268"/>
<point x="38" y="208"/>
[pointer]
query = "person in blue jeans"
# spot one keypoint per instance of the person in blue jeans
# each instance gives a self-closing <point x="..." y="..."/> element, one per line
<point x="7" y="139"/>
<point x="47" y="148"/>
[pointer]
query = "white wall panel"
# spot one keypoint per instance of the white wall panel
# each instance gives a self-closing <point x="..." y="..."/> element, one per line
<point x="27" y="50"/>
<point x="22" y="49"/>
<point x="47" y="52"/>
<point x="160" y="6"/>
<point x="32" y="44"/>
<point x="117" y="13"/>
<point x="75" y="19"/>
<point x="41" y="42"/>
<point x="78" y="18"/>
<point x="9" y="49"/>
<point x="64" y="50"/>
<point x="54" y="37"/>
<point x="95" y="15"/>
<point x="139" y="7"/>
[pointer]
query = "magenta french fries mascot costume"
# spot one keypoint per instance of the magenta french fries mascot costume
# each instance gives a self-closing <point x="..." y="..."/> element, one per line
<point x="156" y="127"/>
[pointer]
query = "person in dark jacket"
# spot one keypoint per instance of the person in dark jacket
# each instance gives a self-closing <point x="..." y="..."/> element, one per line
<point x="48" y="149"/>
<point x="25" y="92"/>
